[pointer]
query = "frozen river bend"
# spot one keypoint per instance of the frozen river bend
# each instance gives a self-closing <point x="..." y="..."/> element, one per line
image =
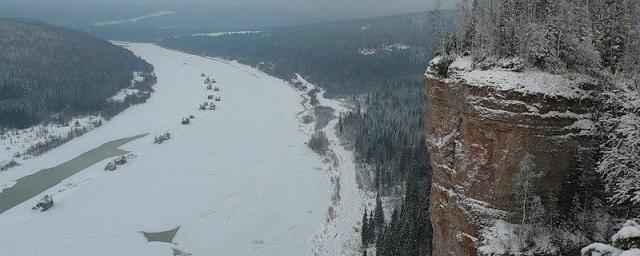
<point x="236" y="181"/>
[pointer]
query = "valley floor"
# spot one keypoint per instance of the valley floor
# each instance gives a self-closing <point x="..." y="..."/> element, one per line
<point x="238" y="180"/>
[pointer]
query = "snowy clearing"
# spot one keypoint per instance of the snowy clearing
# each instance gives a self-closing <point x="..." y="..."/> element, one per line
<point x="131" y="90"/>
<point x="217" y="34"/>
<point x="16" y="144"/>
<point x="384" y="48"/>
<point x="237" y="180"/>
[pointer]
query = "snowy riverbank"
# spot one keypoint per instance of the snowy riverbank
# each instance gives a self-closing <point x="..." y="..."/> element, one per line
<point x="340" y="234"/>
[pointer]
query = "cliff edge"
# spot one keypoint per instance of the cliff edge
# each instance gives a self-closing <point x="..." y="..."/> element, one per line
<point x="485" y="130"/>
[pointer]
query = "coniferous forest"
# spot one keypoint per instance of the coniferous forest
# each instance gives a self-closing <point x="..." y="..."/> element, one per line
<point x="48" y="73"/>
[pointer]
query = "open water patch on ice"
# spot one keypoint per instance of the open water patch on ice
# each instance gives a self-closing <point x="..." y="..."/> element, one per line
<point x="162" y="236"/>
<point x="34" y="184"/>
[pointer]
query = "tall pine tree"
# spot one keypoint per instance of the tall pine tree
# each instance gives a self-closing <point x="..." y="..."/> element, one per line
<point x="364" y="232"/>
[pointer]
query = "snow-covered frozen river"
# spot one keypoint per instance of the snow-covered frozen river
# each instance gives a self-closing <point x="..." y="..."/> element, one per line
<point x="236" y="181"/>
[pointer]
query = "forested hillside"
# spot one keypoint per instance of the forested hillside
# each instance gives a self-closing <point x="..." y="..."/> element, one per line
<point x="48" y="72"/>
<point x="343" y="57"/>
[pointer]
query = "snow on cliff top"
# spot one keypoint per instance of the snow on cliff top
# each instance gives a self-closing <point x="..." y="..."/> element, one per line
<point x="528" y="81"/>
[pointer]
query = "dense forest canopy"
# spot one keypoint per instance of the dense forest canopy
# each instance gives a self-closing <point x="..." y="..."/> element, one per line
<point x="46" y="70"/>
<point x="586" y="36"/>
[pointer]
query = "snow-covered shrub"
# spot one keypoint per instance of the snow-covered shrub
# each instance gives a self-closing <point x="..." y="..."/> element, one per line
<point x="600" y="249"/>
<point x="307" y="119"/>
<point x="628" y="236"/>
<point x="625" y="242"/>
<point x="535" y="46"/>
<point x="485" y="63"/>
<point x="504" y="238"/>
<point x="5" y="165"/>
<point x="322" y="116"/>
<point x="439" y="66"/>
<point x="515" y="64"/>
<point x="319" y="142"/>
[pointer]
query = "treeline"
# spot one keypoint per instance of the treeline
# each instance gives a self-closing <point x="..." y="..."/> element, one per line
<point x="409" y="231"/>
<point x="385" y="134"/>
<point x="383" y="130"/>
<point x="331" y="54"/>
<point x="586" y="36"/>
<point x="48" y="72"/>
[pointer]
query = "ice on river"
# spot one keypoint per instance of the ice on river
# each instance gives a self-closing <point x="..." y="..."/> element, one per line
<point x="237" y="181"/>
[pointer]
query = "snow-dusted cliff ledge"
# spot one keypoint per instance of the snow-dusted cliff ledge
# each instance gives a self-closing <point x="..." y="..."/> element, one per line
<point x="461" y="70"/>
<point x="481" y="126"/>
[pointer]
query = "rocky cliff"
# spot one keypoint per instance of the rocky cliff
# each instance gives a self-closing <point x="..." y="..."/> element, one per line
<point x="481" y="125"/>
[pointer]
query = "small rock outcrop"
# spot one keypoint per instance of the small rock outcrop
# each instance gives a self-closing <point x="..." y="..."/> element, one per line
<point x="481" y="125"/>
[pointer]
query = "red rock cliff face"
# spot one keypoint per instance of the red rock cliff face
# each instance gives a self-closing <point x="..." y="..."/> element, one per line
<point x="477" y="137"/>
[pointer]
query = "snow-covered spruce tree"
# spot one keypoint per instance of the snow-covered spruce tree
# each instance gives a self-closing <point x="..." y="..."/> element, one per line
<point x="378" y="217"/>
<point x="625" y="242"/>
<point x="463" y="25"/>
<point x="371" y="230"/>
<point x="364" y="231"/>
<point x="409" y="233"/>
<point x="620" y="162"/>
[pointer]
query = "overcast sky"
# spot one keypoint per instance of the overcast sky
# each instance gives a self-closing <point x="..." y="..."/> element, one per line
<point x="418" y="5"/>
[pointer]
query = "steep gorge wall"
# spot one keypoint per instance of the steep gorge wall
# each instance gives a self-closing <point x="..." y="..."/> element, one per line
<point x="478" y="136"/>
